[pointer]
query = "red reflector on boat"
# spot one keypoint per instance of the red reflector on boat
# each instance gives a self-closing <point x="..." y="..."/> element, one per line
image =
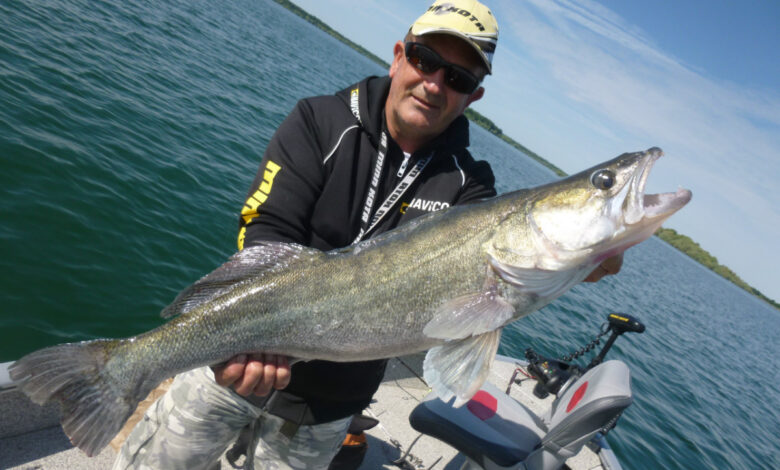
<point x="483" y="405"/>
<point x="577" y="397"/>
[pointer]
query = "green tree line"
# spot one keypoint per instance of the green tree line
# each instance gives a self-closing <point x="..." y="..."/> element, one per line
<point x="696" y="252"/>
<point x="491" y="127"/>
<point x="316" y="22"/>
<point x="679" y="241"/>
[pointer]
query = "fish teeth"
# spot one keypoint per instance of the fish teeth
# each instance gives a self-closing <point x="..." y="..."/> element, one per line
<point x="638" y="200"/>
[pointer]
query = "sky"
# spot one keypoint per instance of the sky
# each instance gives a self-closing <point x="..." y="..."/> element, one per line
<point x="580" y="82"/>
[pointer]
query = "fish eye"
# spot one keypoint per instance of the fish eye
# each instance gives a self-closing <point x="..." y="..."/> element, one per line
<point x="603" y="179"/>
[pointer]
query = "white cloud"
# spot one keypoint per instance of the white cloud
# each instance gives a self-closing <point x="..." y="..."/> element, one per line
<point x="611" y="89"/>
<point x="578" y="84"/>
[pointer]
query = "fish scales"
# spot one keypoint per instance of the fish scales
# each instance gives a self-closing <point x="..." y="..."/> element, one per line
<point x="306" y="317"/>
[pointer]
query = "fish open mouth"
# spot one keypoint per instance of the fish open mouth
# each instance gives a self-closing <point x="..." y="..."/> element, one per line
<point x="660" y="204"/>
<point x="647" y="207"/>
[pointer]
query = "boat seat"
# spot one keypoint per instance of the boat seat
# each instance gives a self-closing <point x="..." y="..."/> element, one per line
<point x="479" y="429"/>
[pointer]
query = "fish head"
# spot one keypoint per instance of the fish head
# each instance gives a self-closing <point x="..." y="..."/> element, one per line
<point x="603" y="210"/>
<point x="593" y="215"/>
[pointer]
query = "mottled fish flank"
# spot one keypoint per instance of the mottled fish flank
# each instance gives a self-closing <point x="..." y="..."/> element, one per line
<point x="447" y="282"/>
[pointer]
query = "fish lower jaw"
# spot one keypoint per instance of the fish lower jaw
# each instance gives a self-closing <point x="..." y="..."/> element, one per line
<point x="665" y="204"/>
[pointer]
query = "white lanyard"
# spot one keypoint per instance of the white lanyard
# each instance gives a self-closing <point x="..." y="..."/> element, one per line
<point x="395" y="196"/>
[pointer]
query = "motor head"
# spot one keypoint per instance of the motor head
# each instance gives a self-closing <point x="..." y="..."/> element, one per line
<point x="623" y="322"/>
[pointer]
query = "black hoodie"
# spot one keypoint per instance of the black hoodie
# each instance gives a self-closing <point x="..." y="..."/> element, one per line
<point x="311" y="189"/>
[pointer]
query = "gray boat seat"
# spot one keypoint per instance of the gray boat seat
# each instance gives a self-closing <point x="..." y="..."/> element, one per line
<point x="494" y="426"/>
<point x="491" y="425"/>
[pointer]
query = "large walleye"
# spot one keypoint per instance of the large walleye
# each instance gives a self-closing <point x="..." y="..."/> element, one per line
<point x="447" y="282"/>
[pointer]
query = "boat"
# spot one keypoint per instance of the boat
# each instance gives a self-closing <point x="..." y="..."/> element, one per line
<point x="31" y="438"/>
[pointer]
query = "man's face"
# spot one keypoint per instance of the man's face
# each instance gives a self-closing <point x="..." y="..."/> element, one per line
<point x="421" y="106"/>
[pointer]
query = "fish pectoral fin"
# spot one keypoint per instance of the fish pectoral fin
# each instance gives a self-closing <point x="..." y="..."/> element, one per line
<point x="469" y="315"/>
<point x="459" y="368"/>
<point x="542" y="282"/>
<point x="246" y="264"/>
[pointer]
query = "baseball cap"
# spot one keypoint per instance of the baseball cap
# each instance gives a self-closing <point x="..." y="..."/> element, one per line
<point x="466" y="19"/>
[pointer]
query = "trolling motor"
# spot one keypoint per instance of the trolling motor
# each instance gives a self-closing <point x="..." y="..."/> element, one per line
<point x="494" y="431"/>
<point x="552" y="374"/>
<point x="619" y="323"/>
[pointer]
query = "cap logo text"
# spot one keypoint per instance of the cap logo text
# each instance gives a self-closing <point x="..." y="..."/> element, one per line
<point x="448" y="8"/>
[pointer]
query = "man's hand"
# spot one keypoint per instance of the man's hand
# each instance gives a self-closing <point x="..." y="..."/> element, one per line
<point x="608" y="267"/>
<point x="254" y="373"/>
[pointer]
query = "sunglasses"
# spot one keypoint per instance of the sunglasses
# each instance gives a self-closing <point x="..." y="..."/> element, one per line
<point x="426" y="60"/>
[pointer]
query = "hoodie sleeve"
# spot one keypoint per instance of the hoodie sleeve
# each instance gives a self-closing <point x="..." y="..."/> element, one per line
<point x="287" y="185"/>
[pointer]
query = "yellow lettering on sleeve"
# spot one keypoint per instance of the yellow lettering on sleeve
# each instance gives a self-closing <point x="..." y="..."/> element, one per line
<point x="249" y="211"/>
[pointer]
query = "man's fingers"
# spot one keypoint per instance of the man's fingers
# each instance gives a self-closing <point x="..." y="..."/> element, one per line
<point x="613" y="265"/>
<point x="607" y="267"/>
<point x="597" y="274"/>
<point x="282" y="372"/>
<point x="227" y="374"/>
<point x="266" y="382"/>
<point x="276" y="374"/>
<point x="253" y="374"/>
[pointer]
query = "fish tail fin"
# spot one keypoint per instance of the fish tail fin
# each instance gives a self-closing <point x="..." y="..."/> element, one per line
<point x="95" y="404"/>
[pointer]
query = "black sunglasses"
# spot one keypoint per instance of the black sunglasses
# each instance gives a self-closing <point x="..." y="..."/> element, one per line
<point x="428" y="61"/>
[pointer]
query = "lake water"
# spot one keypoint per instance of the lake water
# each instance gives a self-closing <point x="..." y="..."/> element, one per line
<point x="130" y="133"/>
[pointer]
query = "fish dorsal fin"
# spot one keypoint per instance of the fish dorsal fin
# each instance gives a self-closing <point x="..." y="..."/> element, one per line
<point x="248" y="263"/>
<point x="542" y="282"/>
<point x="471" y="314"/>
<point x="459" y="368"/>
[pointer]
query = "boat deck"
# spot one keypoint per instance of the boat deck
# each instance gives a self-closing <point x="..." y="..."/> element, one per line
<point x="31" y="439"/>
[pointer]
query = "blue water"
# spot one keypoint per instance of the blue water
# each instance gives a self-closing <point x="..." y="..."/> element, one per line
<point x="130" y="133"/>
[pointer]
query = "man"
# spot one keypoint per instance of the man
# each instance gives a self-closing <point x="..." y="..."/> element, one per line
<point x="339" y="169"/>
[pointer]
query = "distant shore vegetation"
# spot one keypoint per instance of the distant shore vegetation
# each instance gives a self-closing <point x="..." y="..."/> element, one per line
<point x="679" y="241"/>
<point x="696" y="252"/>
